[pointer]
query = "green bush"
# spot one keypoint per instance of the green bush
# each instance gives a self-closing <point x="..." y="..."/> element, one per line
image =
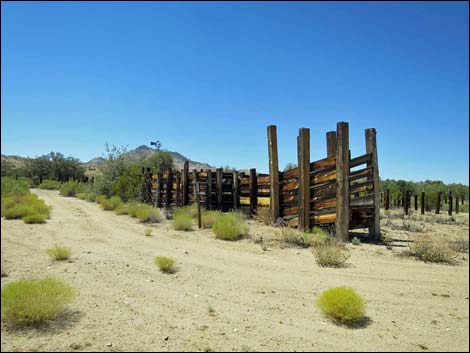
<point x="13" y="186"/>
<point x="100" y="199"/>
<point x="132" y="209"/>
<point x="148" y="214"/>
<point x="331" y="254"/>
<point x="49" y="185"/>
<point x="230" y="226"/>
<point x="122" y="209"/>
<point x="165" y="264"/>
<point x="208" y="218"/>
<point x="182" y="219"/>
<point x="35" y="218"/>
<point x="16" y="206"/>
<point x="71" y="188"/>
<point x="34" y="301"/>
<point x="81" y="195"/>
<point x="356" y="241"/>
<point x="148" y="232"/>
<point x="111" y="204"/>
<point x="430" y="248"/>
<point x="342" y="304"/>
<point x="90" y="196"/>
<point x="58" y="253"/>
<point x="316" y="236"/>
<point x="292" y="237"/>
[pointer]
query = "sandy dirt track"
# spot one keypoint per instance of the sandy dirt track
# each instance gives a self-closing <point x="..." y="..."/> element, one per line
<point x="262" y="300"/>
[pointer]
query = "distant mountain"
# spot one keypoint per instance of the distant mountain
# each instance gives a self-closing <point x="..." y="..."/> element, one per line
<point x="144" y="151"/>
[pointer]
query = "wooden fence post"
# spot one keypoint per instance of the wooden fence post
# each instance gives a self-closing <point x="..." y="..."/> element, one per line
<point x="422" y="202"/>
<point x="219" y="189"/>
<point x="405" y="202"/>
<point x="186" y="183"/>
<point x="236" y="191"/>
<point x="209" y="190"/>
<point x="303" y="158"/>
<point x="416" y="201"/>
<point x="169" y="187"/>
<point x="342" y="180"/>
<point x="450" y="203"/>
<point x="273" y="172"/>
<point x="371" y="147"/>
<point x="456" y="204"/>
<point x="253" y="191"/>
<point x="387" y="199"/>
<point x="198" y="201"/>
<point x="178" y="189"/>
<point x="159" y="189"/>
<point x="331" y="144"/>
<point x="438" y="202"/>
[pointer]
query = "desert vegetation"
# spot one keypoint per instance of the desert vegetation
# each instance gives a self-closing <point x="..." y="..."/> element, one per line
<point x="165" y="264"/>
<point x="231" y="226"/>
<point x="182" y="219"/>
<point x="342" y="304"/>
<point x="58" y="252"/>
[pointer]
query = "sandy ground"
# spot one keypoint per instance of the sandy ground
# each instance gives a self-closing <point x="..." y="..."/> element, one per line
<point x="261" y="300"/>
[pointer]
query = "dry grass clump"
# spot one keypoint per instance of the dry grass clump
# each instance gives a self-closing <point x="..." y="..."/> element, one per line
<point x="17" y="206"/>
<point x="342" y="304"/>
<point x="122" y="209"/>
<point x="165" y="264"/>
<point x="231" y="226"/>
<point x="263" y="215"/>
<point x="182" y="219"/>
<point x="35" y="218"/>
<point x="459" y="245"/>
<point x="208" y="218"/>
<point x="331" y="254"/>
<point x="81" y="195"/>
<point x="355" y="241"/>
<point x="148" y="214"/>
<point x="292" y="237"/>
<point x="429" y="248"/>
<point x="148" y="232"/>
<point x="110" y="204"/>
<point x="71" y="188"/>
<point x="100" y="199"/>
<point x="58" y="253"/>
<point x="27" y="302"/>
<point x="49" y="185"/>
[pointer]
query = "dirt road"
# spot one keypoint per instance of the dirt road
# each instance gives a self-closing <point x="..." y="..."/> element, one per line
<point x="226" y="296"/>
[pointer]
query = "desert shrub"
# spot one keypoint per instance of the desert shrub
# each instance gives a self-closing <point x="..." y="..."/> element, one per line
<point x="122" y="209"/>
<point x="182" y="219"/>
<point x="292" y="237"/>
<point x="432" y="249"/>
<point x="342" y="304"/>
<point x="13" y="186"/>
<point x="132" y="209"/>
<point x="208" y="218"/>
<point x="71" y="188"/>
<point x="58" y="253"/>
<point x="81" y="195"/>
<point x="148" y="214"/>
<point x="111" y="204"/>
<point x="230" y="226"/>
<point x="34" y="301"/>
<point x="165" y="264"/>
<point x="316" y="236"/>
<point x="100" y="199"/>
<point x="190" y="209"/>
<point x="129" y="184"/>
<point x="330" y="254"/>
<point x="49" y="185"/>
<point x="90" y="196"/>
<point x="459" y="245"/>
<point x="35" y="218"/>
<point x="263" y="215"/>
<point x="356" y="241"/>
<point x="16" y="206"/>
<point x="148" y="232"/>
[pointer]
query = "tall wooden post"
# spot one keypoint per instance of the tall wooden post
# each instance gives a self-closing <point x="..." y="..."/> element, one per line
<point x="387" y="199"/>
<point x="169" y="187"/>
<point x="209" y="190"/>
<point x="178" y="189"/>
<point x="371" y="147"/>
<point x="331" y="144"/>
<point x="236" y="191"/>
<point x="342" y="180"/>
<point x="456" y="204"/>
<point x="416" y="201"/>
<point x="159" y="189"/>
<point x="186" y="183"/>
<point x="273" y="172"/>
<point x="422" y="202"/>
<point x="450" y="203"/>
<point x="198" y="200"/>
<point x="406" y="201"/>
<point x="438" y="202"/>
<point x="303" y="158"/>
<point x="219" y="189"/>
<point x="253" y="191"/>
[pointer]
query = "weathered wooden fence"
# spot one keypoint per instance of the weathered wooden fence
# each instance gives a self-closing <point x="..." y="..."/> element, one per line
<point x="335" y="190"/>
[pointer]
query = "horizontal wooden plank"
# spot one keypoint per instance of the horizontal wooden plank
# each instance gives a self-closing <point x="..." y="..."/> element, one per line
<point x="288" y="198"/>
<point x="365" y="158"/>
<point x="289" y="174"/>
<point x="293" y="185"/>
<point x="323" y="219"/>
<point x="264" y="201"/>
<point x="323" y="163"/>
<point x="327" y="192"/>
<point x="361" y="173"/>
<point x="244" y="200"/>
<point x="289" y="211"/>
<point x="322" y="178"/>
<point x="362" y="201"/>
<point x="361" y="187"/>
<point x="263" y="180"/>
<point x="330" y="203"/>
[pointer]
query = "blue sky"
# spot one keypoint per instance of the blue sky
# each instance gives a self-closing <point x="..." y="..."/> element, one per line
<point x="207" y="78"/>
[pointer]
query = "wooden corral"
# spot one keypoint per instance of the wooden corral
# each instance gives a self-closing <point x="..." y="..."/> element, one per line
<point x="337" y="190"/>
